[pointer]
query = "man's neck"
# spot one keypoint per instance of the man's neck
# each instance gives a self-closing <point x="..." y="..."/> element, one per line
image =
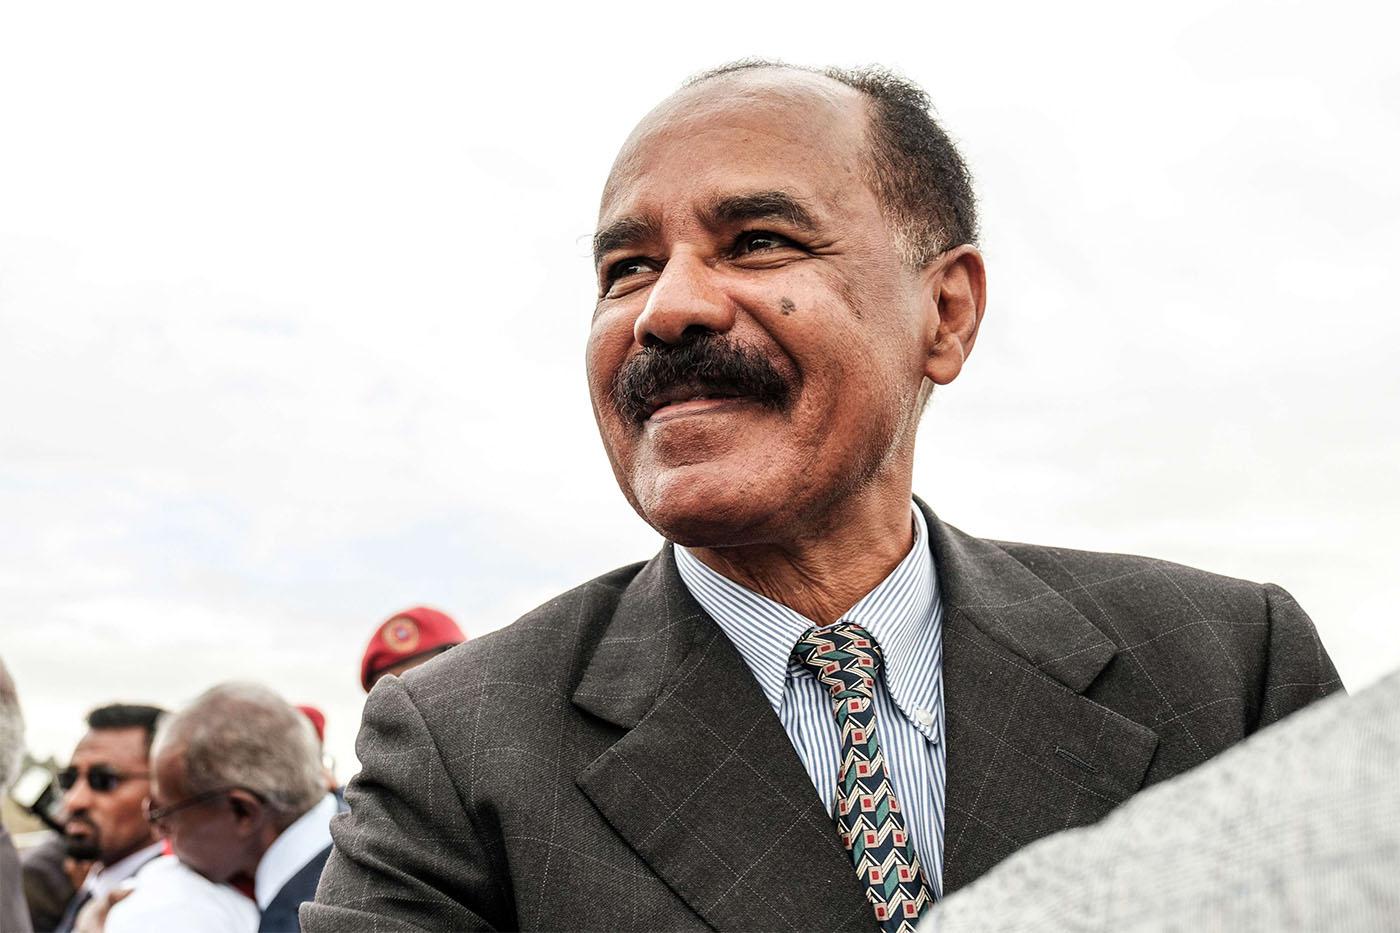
<point x="826" y="572"/>
<point x="127" y="853"/>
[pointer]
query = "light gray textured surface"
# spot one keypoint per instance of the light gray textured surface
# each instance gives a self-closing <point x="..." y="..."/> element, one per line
<point x="1297" y="828"/>
<point x="14" y="914"/>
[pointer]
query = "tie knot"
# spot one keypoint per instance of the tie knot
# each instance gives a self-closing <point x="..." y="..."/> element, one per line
<point x="844" y="657"/>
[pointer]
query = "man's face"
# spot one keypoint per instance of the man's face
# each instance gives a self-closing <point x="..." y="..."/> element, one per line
<point x="737" y="225"/>
<point x="108" y="825"/>
<point x="204" y="835"/>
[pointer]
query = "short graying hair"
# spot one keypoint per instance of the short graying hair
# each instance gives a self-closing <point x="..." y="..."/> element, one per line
<point x="244" y="735"/>
<point x="914" y="168"/>
<point x="11" y="730"/>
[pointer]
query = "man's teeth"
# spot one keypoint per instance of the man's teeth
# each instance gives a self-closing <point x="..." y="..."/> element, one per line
<point x="663" y="402"/>
<point x="693" y="398"/>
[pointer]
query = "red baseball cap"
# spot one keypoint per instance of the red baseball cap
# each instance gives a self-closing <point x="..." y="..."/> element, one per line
<point x="318" y="720"/>
<point x="406" y="635"/>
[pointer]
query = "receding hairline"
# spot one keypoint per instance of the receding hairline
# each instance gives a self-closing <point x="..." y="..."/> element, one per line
<point x="806" y="84"/>
<point x="751" y="68"/>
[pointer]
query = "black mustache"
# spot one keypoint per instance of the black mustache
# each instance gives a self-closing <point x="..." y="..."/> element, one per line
<point x="707" y="361"/>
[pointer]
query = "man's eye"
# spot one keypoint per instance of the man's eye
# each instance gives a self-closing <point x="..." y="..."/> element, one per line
<point x="625" y="267"/>
<point x="756" y="241"/>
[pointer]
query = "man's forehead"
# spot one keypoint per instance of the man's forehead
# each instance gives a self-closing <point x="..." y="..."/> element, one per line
<point x="761" y="119"/>
<point x="168" y="770"/>
<point x="112" y="744"/>
<point x="765" y="90"/>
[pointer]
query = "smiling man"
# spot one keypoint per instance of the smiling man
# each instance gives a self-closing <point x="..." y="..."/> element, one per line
<point x="819" y="707"/>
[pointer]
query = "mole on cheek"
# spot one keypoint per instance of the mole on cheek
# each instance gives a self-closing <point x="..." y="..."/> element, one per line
<point x="786" y="306"/>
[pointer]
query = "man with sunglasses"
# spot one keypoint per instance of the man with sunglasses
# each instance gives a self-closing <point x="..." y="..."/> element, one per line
<point x="105" y="787"/>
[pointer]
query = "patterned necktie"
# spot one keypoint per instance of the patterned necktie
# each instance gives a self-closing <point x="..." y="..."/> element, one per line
<point x="846" y="660"/>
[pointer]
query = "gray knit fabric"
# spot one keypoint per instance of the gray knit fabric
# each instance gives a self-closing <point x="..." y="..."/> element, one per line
<point x="14" y="914"/>
<point x="1297" y="828"/>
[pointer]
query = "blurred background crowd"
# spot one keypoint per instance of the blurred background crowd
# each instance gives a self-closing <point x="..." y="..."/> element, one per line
<point x="223" y="805"/>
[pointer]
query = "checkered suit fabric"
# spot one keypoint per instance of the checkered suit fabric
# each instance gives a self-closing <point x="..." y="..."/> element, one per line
<point x="576" y="771"/>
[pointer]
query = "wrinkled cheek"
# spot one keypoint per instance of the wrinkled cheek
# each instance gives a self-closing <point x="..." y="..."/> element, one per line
<point x="606" y="351"/>
<point x="619" y="438"/>
<point x="604" y="355"/>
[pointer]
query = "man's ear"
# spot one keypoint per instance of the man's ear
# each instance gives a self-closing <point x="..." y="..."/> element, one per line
<point x="247" y="808"/>
<point x="956" y="283"/>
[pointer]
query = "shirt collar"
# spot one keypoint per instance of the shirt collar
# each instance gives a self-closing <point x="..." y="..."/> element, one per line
<point x="903" y="613"/>
<point x="109" y="876"/>
<point x="289" y="852"/>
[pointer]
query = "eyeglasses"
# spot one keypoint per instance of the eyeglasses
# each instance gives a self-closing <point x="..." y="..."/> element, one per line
<point x="102" y="779"/>
<point x="158" y="815"/>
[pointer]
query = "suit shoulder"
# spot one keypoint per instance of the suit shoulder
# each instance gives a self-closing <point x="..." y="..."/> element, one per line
<point x="549" y="639"/>
<point x="1126" y="571"/>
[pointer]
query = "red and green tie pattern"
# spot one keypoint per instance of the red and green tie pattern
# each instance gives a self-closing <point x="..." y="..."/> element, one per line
<point x="846" y="660"/>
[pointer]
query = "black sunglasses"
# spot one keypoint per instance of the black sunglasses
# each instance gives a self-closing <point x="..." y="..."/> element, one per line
<point x="101" y="778"/>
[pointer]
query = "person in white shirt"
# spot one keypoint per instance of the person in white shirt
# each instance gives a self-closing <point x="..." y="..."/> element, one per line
<point x="237" y="788"/>
<point x="169" y="895"/>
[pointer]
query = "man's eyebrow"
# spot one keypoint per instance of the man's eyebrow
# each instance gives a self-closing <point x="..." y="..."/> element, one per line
<point x="725" y="212"/>
<point x="622" y="233"/>
<point x="760" y="205"/>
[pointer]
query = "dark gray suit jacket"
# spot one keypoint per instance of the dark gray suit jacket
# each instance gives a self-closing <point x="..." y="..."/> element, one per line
<point x="608" y="761"/>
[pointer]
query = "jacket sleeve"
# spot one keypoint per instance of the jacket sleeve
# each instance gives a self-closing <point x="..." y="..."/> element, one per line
<point x="407" y="856"/>
<point x="1297" y="669"/>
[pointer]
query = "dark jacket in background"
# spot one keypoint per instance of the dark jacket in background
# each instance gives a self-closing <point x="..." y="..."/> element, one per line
<point x="281" y="914"/>
<point x="47" y="887"/>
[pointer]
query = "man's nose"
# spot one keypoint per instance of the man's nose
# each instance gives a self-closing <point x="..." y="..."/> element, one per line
<point x="686" y="295"/>
<point x="77" y="798"/>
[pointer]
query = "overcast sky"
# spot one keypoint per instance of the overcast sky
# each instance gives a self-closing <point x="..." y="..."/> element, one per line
<point x="293" y="301"/>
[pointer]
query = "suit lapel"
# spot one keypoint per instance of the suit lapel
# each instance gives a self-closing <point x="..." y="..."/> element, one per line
<point x="1027" y="753"/>
<point x="705" y="785"/>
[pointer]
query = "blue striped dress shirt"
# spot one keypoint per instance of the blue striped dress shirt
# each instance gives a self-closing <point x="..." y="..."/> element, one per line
<point x="905" y="616"/>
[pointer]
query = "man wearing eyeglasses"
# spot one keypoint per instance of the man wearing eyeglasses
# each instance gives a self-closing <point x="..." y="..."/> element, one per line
<point x="105" y="786"/>
<point x="238" y="790"/>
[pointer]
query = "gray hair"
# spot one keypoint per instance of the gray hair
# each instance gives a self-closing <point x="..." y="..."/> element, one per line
<point x="11" y="729"/>
<point x="244" y="735"/>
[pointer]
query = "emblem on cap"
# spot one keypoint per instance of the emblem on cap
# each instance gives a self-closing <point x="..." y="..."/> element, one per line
<point x="401" y="634"/>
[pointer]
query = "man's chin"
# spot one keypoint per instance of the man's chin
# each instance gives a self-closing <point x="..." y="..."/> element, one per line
<point x="82" y="848"/>
<point x="692" y="512"/>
